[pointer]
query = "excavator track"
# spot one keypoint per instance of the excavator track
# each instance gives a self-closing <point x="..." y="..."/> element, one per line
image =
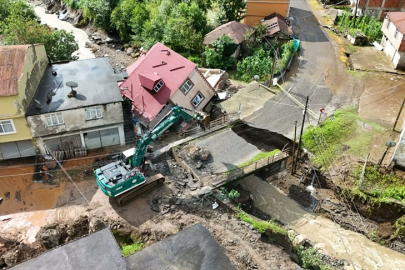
<point x="150" y="184"/>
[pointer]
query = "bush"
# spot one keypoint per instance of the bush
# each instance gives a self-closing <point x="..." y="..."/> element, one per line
<point x="365" y="24"/>
<point x="220" y="55"/>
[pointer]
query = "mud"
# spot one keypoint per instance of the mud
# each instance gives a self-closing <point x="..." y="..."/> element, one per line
<point x="330" y="237"/>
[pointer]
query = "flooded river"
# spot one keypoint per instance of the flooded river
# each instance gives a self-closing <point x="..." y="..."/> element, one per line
<point x="80" y="35"/>
<point x="338" y="242"/>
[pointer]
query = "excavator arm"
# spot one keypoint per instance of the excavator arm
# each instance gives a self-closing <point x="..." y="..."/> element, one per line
<point x="176" y="114"/>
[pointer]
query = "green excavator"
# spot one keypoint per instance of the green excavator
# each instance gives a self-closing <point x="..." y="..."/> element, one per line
<point x="123" y="179"/>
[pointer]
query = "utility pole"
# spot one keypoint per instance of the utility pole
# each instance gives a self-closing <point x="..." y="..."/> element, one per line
<point x="302" y="131"/>
<point x="400" y="110"/>
<point x="293" y="151"/>
<point x="273" y="67"/>
<point x="355" y="13"/>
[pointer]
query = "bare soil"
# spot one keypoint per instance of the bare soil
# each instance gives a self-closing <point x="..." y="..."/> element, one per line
<point x="153" y="216"/>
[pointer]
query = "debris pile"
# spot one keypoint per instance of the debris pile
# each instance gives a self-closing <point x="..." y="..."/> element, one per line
<point x="197" y="157"/>
<point x="182" y="178"/>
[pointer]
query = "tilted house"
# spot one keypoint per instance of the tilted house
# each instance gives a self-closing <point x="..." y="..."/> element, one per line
<point x="236" y="31"/>
<point x="393" y="41"/>
<point x="277" y="27"/>
<point x="21" y="70"/>
<point x="160" y="79"/>
<point x="78" y="106"/>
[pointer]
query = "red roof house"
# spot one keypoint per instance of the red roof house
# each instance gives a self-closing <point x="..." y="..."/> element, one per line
<point x="162" y="78"/>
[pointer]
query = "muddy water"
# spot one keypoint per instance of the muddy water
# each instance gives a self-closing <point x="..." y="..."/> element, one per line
<point x="80" y="35"/>
<point x="336" y="241"/>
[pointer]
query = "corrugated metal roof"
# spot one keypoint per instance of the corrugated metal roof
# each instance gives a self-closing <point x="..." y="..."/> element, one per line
<point x="165" y="63"/>
<point x="398" y="19"/>
<point x="235" y="30"/>
<point x="12" y="60"/>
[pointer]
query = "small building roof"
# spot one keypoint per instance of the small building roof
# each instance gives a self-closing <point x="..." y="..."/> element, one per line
<point x="398" y="19"/>
<point x="235" y="30"/>
<point x="276" y="23"/>
<point x="192" y="248"/>
<point x="98" y="250"/>
<point x="159" y="63"/>
<point x="12" y="61"/>
<point x="96" y="80"/>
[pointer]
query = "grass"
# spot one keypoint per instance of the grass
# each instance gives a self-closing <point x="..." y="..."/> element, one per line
<point x="378" y="187"/>
<point x="341" y="134"/>
<point x="352" y="48"/>
<point x="261" y="226"/>
<point x="310" y="259"/>
<point x="258" y="157"/>
<point x="128" y="242"/>
<point x="131" y="249"/>
<point x="399" y="226"/>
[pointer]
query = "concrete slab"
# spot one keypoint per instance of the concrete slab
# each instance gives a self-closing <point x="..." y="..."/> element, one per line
<point x="191" y="249"/>
<point x="95" y="251"/>
<point x="369" y="58"/>
<point x="252" y="98"/>
<point x="228" y="149"/>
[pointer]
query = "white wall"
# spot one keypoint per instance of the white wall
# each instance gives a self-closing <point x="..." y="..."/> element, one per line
<point x="75" y="120"/>
<point x="200" y="85"/>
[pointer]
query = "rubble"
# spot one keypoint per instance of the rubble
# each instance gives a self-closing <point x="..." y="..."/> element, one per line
<point x="50" y="238"/>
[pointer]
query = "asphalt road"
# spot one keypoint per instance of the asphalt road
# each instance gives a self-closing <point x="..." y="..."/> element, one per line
<point x="279" y="113"/>
<point x="316" y="53"/>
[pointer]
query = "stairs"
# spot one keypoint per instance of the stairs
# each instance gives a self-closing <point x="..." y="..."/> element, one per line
<point x="128" y="122"/>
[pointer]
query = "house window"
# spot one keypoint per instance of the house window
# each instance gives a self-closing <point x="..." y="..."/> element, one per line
<point x="186" y="86"/>
<point x="197" y="99"/>
<point x="158" y="86"/>
<point x="54" y="119"/>
<point x="396" y="34"/>
<point x="388" y="25"/>
<point x="7" y="127"/>
<point x="93" y="113"/>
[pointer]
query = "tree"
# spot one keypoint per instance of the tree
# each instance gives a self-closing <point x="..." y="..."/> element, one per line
<point x="99" y="12"/>
<point x="233" y="10"/>
<point x="121" y="17"/>
<point x="220" y="55"/>
<point x="260" y="63"/>
<point x="185" y="28"/>
<point x="59" y="44"/>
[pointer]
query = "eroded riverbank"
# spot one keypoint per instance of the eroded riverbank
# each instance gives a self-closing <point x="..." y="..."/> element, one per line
<point x="324" y="233"/>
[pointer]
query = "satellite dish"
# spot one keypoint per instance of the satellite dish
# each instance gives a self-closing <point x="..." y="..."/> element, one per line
<point x="38" y="104"/>
<point x="72" y="85"/>
<point x="390" y="144"/>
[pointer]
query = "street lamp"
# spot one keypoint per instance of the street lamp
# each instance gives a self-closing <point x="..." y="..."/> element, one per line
<point x="389" y="144"/>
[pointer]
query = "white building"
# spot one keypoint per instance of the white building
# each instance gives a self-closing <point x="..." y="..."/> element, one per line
<point x="393" y="38"/>
<point x="91" y="116"/>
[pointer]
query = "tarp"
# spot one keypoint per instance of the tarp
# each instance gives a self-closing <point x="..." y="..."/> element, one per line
<point x="296" y="44"/>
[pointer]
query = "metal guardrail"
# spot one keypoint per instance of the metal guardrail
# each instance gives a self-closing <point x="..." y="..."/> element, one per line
<point x="237" y="173"/>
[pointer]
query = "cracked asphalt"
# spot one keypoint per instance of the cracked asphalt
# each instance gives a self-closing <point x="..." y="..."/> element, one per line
<point x="280" y="113"/>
